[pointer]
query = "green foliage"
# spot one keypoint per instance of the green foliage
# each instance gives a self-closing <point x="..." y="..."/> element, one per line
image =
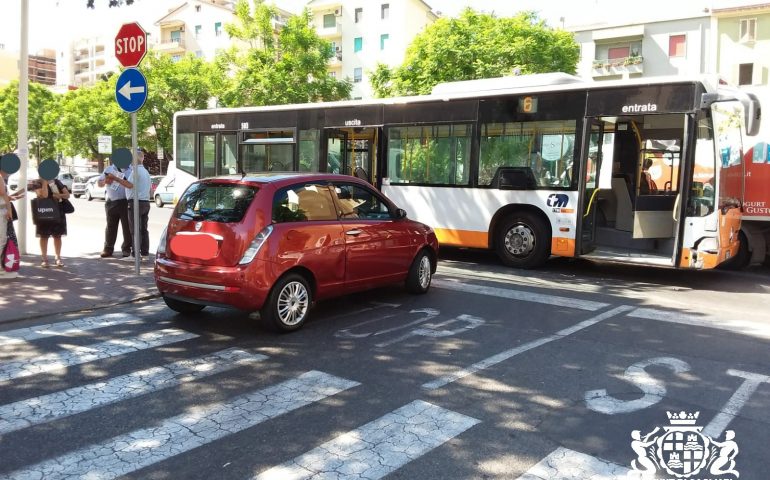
<point x="41" y="125"/>
<point x="474" y="46"/>
<point x="290" y="67"/>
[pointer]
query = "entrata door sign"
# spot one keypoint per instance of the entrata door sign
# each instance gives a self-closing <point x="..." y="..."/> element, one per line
<point x="130" y="44"/>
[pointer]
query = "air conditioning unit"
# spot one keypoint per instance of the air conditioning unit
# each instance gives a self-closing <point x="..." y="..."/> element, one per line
<point x="338" y="12"/>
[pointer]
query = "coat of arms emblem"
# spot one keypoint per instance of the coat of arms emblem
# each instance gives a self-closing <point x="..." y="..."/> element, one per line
<point x="682" y="450"/>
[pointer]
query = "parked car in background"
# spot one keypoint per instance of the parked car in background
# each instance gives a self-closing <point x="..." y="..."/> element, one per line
<point x="80" y="183"/>
<point x="67" y="179"/>
<point x="164" y="191"/>
<point x="93" y="190"/>
<point x="13" y="180"/>
<point x="277" y="243"/>
<point x="154" y="181"/>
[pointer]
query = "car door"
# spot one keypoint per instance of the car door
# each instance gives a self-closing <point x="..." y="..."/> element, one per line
<point x="379" y="247"/>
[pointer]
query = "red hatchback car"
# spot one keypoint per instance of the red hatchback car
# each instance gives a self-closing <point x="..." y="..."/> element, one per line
<point x="277" y="243"/>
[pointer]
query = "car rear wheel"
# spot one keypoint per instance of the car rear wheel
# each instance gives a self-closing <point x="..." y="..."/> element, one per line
<point x="288" y="305"/>
<point x="522" y="241"/>
<point x="76" y="195"/>
<point x="420" y="273"/>
<point x="158" y="201"/>
<point x="181" y="306"/>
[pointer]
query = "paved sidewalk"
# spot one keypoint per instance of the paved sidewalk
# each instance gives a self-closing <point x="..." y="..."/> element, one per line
<point x="85" y="282"/>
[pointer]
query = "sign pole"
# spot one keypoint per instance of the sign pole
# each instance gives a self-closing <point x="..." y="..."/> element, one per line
<point x="135" y="173"/>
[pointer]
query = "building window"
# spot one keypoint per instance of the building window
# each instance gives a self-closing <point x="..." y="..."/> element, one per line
<point x="176" y="36"/>
<point x="359" y="14"/>
<point x="199" y="53"/>
<point x="676" y="45"/>
<point x="745" y="74"/>
<point x="748" y="30"/>
<point x="176" y="58"/>
<point x="358" y="74"/>
<point x="385" y="11"/>
<point x="330" y="21"/>
<point x="617" y="53"/>
<point x="198" y="29"/>
<point x="197" y="8"/>
<point x="384" y="41"/>
<point x="358" y="44"/>
<point x="218" y="29"/>
<point x="333" y="74"/>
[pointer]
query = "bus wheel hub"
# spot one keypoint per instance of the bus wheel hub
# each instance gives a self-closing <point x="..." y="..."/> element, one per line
<point x="519" y="240"/>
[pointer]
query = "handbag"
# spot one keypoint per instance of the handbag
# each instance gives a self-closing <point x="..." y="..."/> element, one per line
<point x="11" y="257"/>
<point x="67" y="206"/>
<point x="14" y="213"/>
<point x="45" y="210"/>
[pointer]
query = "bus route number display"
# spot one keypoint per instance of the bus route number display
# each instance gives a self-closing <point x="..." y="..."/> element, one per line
<point x="528" y="105"/>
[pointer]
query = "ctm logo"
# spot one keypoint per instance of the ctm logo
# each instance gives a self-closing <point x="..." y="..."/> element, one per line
<point x="558" y="200"/>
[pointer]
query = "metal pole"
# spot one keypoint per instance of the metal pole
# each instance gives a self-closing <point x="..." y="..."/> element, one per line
<point x="22" y="126"/>
<point x="135" y="171"/>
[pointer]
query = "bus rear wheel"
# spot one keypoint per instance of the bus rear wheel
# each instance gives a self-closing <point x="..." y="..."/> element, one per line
<point x="522" y="241"/>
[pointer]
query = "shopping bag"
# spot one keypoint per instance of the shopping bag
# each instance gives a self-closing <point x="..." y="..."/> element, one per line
<point x="10" y="257"/>
<point x="45" y="210"/>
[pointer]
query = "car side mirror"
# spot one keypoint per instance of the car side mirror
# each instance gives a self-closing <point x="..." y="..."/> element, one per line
<point x="400" y="213"/>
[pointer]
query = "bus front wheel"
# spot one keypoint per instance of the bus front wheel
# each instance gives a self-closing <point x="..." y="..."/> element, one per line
<point x="522" y="241"/>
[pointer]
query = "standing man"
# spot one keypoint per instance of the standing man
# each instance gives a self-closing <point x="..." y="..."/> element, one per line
<point x="116" y="209"/>
<point x="138" y="183"/>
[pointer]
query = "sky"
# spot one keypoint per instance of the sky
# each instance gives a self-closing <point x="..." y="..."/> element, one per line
<point x="55" y="21"/>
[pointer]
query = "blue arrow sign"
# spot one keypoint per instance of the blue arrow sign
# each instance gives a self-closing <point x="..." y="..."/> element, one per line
<point x="131" y="90"/>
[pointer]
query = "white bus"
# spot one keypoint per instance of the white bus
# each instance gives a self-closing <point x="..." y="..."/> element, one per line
<point x="643" y="171"/>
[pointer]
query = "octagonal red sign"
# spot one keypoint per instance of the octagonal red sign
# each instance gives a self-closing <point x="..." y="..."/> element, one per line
<point x="130" y="44"/>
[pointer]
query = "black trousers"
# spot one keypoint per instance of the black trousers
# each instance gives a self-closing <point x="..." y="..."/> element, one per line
<point x="144" y="217"/>
<point x="117" y="212"/>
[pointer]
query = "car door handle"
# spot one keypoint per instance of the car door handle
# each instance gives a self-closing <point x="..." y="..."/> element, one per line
<point x="354" y="233"/>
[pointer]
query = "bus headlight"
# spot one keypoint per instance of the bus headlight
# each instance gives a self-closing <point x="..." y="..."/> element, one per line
<point x="255" y="245"/>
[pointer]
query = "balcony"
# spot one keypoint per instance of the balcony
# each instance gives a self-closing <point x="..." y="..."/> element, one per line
<point x="171" y="46"/>
<point x="330" y="32"/>
<point x="633" y="65"/>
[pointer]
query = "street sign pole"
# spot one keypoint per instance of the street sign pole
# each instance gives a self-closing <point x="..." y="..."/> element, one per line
<point x="135" y="173"/>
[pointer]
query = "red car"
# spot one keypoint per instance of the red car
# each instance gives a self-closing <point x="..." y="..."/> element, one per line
<point x="277" y="243"/>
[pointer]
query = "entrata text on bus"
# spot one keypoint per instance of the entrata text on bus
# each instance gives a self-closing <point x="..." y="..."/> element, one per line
<point x="640" y="171"/>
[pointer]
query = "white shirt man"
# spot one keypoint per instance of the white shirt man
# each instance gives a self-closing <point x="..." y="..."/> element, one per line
<point x="138" y="182"/>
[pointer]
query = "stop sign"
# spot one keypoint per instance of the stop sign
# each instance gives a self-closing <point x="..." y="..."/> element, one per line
<point x="130" y="44"/>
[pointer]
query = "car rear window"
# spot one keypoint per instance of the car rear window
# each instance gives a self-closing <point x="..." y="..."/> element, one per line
<point x="215" y="202"/>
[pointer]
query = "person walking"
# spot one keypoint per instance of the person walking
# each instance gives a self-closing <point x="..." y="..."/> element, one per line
<point x="116" y="211"/>
<point x="44" y="230"/>
<point x="138" y="183"/>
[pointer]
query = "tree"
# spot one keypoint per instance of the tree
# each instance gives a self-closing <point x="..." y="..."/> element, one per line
<point x="41" y="126"/>
<point x="273" y="69"/>
<point x="474" y="46"/>
<point x="173" y="86"/>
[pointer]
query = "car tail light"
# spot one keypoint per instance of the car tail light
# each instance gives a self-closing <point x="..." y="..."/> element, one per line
<point x="255" y="245"/>
<point x="162" y="243"/>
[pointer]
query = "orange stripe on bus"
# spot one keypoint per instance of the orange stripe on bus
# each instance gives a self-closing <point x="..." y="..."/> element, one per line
<point x="462" y="238"/>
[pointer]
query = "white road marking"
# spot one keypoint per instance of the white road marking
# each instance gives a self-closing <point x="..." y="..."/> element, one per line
<point x="734" y="405"/>
<point x="520" y="295"/>
<point x="427" y="314"/>
<point x="201" y="425"/>
<point x="654" y="390"/>
<point x="47" y="408"/>
<point x="566" y="464"/>
<point x="754" y="329"/>
<point x="377" y="448"/>
<point x="77" y="355"/>
<point x="438" y="330"/>
<point x="502" y="356"/>
<point x="72" y="327"/>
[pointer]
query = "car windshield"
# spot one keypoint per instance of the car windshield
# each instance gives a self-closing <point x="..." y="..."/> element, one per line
<point x="215" y="202"/>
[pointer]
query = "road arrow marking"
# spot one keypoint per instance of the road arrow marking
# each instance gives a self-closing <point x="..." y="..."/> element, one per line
<point x="127" y="90"/>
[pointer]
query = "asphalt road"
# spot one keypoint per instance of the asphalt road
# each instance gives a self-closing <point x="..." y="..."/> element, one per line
<point x="495" y="373"/>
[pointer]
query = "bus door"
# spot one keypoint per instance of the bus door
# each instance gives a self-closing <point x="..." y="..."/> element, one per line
<point x="589" y="178"/>
<point x="218" y="154"/>
<point x="352" y="151"/>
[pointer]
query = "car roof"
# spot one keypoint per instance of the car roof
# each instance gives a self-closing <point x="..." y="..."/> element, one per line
<point x="283" y="177"/>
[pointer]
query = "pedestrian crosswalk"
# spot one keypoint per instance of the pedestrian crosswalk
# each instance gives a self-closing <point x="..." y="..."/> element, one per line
<point x="377" y="448"/>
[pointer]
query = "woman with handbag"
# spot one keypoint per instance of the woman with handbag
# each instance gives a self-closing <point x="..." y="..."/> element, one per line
<point x="5" y="215"/>
<point x="56" y="229"/>
<point x="10" y="232"/>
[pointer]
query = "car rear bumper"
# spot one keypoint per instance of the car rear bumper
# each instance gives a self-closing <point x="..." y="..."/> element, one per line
<point x="243" y="287"/>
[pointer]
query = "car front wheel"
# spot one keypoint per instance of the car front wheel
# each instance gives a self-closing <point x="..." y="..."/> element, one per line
<point x="288" y="305"/>
<point x="158" y="201"/>
<point x="420" y="273"/>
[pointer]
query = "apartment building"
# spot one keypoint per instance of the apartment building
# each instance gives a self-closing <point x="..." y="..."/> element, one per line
<point x="42" y="67"/>
<point x="365" y="32"/>
<point x="86" y="60"/>
<point x="742" y="35"/>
